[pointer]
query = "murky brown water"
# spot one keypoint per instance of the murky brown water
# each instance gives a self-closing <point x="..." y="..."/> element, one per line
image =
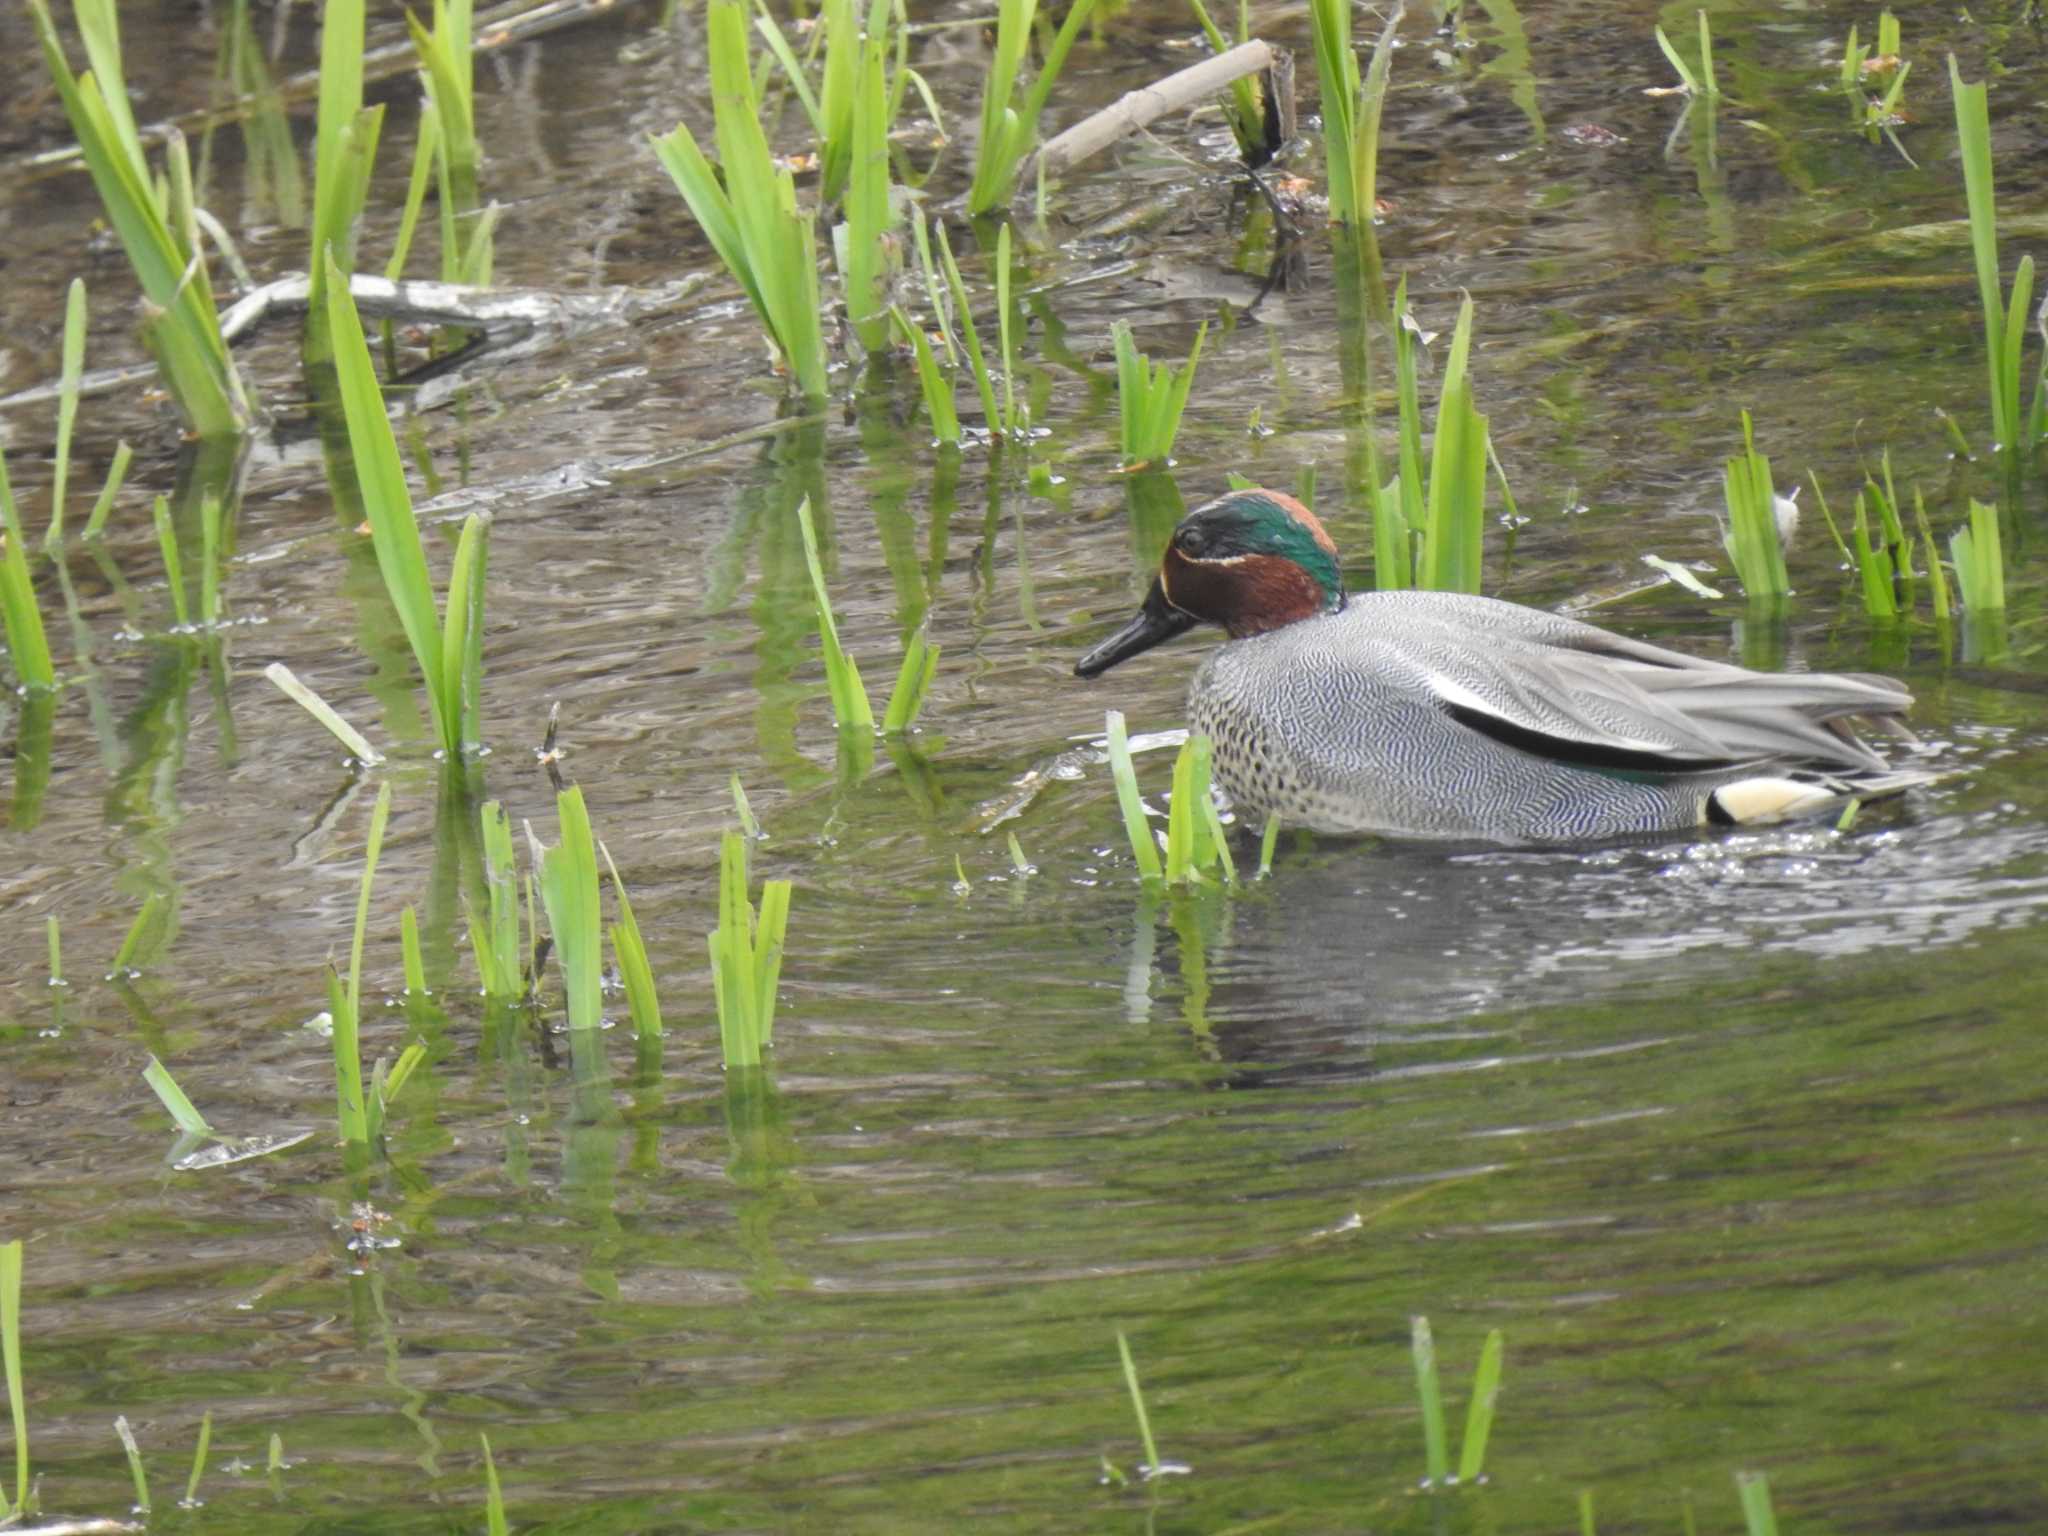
<point x="1738" y="1141"/>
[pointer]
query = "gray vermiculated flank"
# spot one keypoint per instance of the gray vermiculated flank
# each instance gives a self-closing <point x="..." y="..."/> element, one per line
<point x="1342" y="723"/>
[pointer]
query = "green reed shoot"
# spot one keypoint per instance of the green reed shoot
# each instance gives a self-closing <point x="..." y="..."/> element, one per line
<point x="568" y="889"/>
<point x="152" y="220"/>
<point x="135" y="1469"/>
<point x="446" y="57"/>
<point x="199" y="1458"/>
<point x="1247" y="117"/>
<point x="409" y="948"/>
<point x="1860" y="59"/>
<point x="1195" y="840"/>
<point x="1123" y="1349"/>
<point x="1706" y="83"/>
<point x="2004" y="324"/>
<point x="630" y="951"/>
<point x="1751" y="537"/>
<point x="1479" y="1413"/>
<point x="451" y="661"/>
<point x="344" y="996"/>
<point x="1861" y="65"/>
<point x="1455" y="510"/>
<point x="1150" y="396"/>
<point x="23" y="620"/>
<point x="1136" y="828"/>
<point x="117" y="472"/>
<point x="289" y="684"/>
<point x="10" y="1358"/>
<point x="849" y="696"/>
<point x="68" y="382"/>
<point x="174" y="565"/>
<point x="494" y="932"/>
<point x="494" y="1497"/>
<point x="746" y="956"/>
<point x="344" y="153"/>
<point x="144" y="940"/>
<point x="913" y="684"/>
<point x="1586" y="1526"/>
<point x="931" y="379"/>
<point x="863" y="244"/>
<point x="173" y="1098"/>
<point x="1979" y="556"/>
<point x="1758" y="1518"/>
<point x="1936" y="578"/>
<point x="999" y="421"/>
<point x="751" y="217"/>
<point x="1268" y="841"/>
<point x="56" y="943"/>
<point x="1018" y="861"/>
<point x="1351" y="110"/>
<point x="1874" y="565"/>
<point x="1010" y="113"/>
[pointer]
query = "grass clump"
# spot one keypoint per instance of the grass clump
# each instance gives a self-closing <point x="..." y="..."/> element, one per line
<point x="1009" y="111"/>
<point x="1979" y="555"/>
<point x="447" y="640"/>
<point x="1150" y="396"/>
<point x="1751" y="537"/>
<point x="1351" y="109"/>
<point x="153" y="218"/>
<point x="746" y="956"/>
<point x="494" y="919"/>
<point x="1865" y="65"/>
<point x="750" y="215"/>
<point x="1196" y="844"/>
<point x="1246" y="117"/>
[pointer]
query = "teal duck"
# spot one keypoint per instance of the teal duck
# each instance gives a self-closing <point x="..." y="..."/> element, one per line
<point x="1436" y="714"/>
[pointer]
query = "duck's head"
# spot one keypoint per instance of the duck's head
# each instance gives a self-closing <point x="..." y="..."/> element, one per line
<point x="1250" y="561"/>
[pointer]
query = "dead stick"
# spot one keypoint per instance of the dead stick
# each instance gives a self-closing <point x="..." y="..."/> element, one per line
<point x="1137" y="109"/>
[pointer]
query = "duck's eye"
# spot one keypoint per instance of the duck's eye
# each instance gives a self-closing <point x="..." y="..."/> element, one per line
<point x="1191" y="541"/>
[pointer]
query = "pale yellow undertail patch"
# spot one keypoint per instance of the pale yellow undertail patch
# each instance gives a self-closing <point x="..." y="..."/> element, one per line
<point x="1768" y="799"/>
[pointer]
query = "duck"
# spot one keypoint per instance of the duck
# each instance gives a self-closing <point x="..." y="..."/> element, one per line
<point x="1449" y="715"/>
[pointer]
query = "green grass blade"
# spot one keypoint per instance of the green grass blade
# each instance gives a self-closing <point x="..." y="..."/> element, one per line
<point x="1430" y="1394"/>
<point x="117" y="472"/>
<point x="1686" y="78"/>
<point x="1123" y="1349"/>
<point x="1479" y="1416"/>
<point x="969" y="334"/>
<point x="409" y="947"/>
<point x="849" y="696"/>
<point x="630" y="949"/>
<point x="174" y="568"/>
<point x="144" y="940"/>
<point x="135" y="1471"/>
<point x="23" y="619"/>
<point x="10" y="1358"/>
<point x="173" y="1099"/>
<point x="199" y="1459"/>
<point x="937" y="388"/>
<point x="67" y="406"/>
<point x="1757" y="1516"/>
<point x="494" y="1497"/>
<point x="1143" y="848"/>
<point x="1267" y="842"/>
<point x="1935" y="575"/>
<point x="568" y="888"/>
<point x="913" y="684"/>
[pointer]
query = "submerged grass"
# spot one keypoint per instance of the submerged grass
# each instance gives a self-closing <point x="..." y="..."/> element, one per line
<point x="450" y="660"/>
<point x="746" y="956"/>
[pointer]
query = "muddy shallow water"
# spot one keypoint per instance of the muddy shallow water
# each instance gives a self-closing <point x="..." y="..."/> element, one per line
<point x="1737" y="1140"/>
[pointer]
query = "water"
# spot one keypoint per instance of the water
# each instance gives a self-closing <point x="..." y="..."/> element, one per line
<point x="1735" y="1139"/>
